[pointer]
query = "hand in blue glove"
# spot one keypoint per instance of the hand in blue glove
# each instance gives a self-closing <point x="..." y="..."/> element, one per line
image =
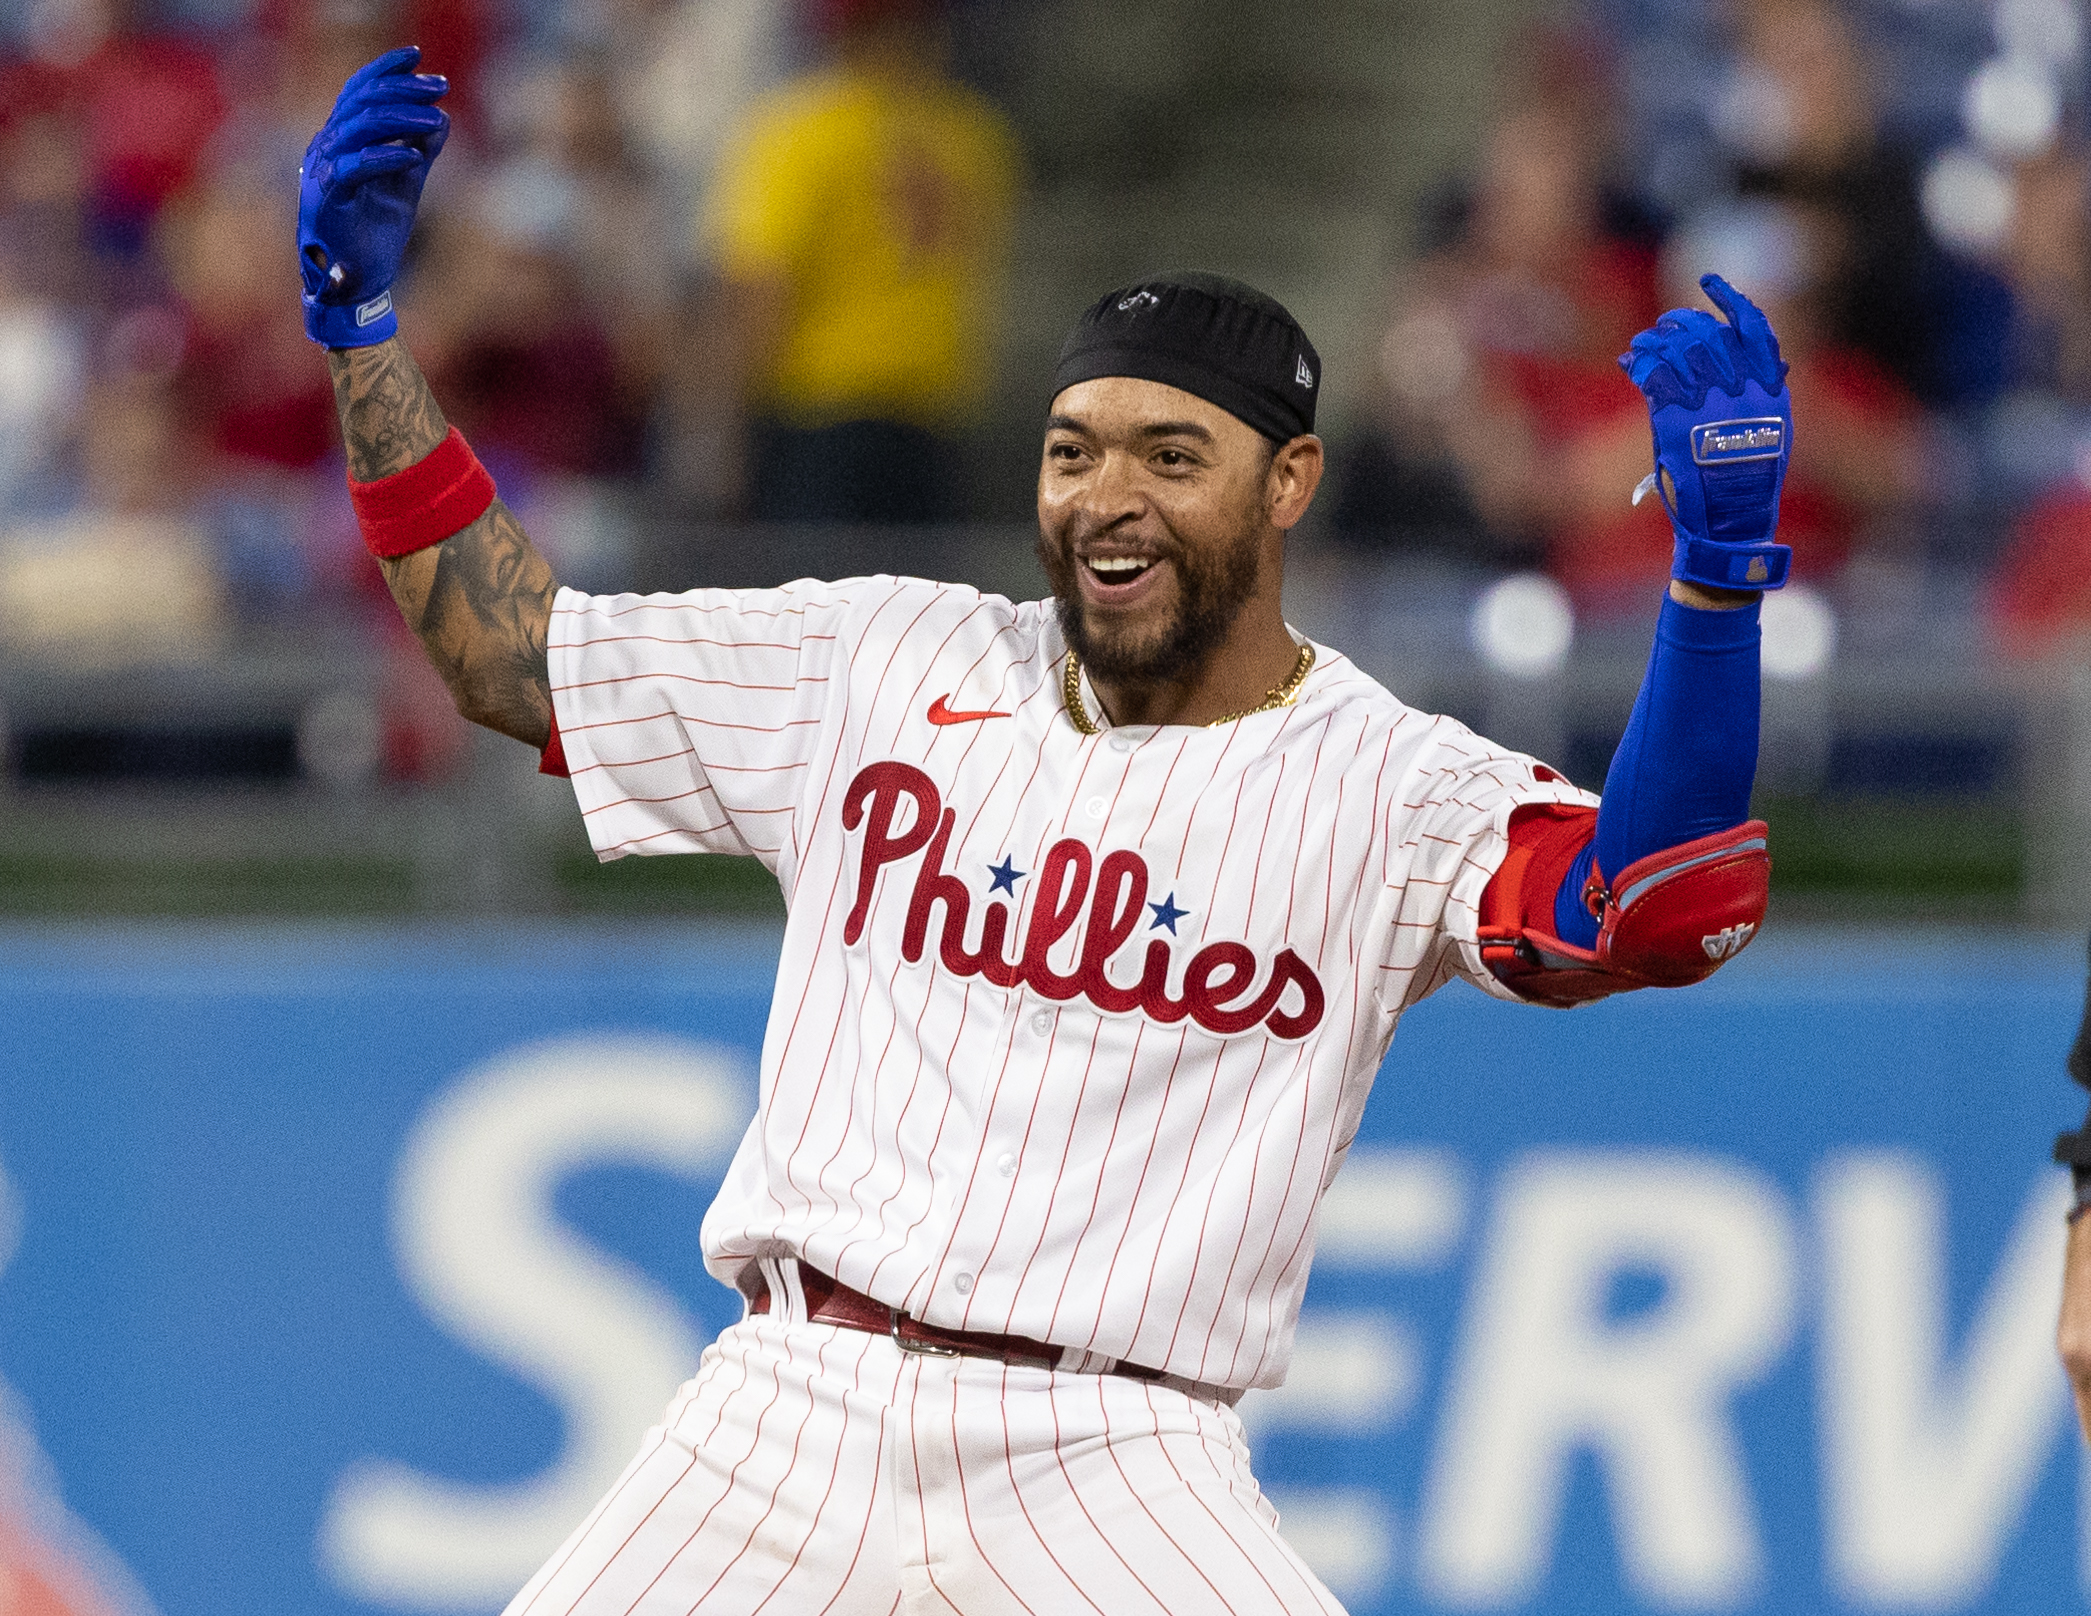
<point x="357" y="192"/>
<point x="1723" y="424"/>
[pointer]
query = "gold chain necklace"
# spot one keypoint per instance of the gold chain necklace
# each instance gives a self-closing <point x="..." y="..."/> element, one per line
<point x="1283" y="695"/>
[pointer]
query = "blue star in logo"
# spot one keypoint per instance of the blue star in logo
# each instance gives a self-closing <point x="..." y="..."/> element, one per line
<point x="1166" y="914"/>
<point x="1006" y="876"/>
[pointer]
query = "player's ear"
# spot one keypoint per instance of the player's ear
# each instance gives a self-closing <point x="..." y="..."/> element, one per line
<point x="1289" y="487"/>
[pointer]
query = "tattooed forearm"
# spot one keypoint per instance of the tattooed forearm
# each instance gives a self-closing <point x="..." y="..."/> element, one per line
<point x="482" y="604"/>
<point x="481" y="601"/>
<point x="389" y="418"/>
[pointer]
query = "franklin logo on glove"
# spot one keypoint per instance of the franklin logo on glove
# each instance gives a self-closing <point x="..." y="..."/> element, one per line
<point x="1738" y="440"/>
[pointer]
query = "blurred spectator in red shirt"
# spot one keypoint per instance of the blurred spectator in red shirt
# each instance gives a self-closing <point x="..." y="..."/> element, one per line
<point x="1500" y="357"/>
<point x="247" y="381"/>
<point x="513" y="340"/>
<point x="147" y="105"/>
<point x="1800" y="117"/>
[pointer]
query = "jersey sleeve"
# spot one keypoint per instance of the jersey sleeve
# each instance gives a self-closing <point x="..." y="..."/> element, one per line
<point x="690" y="721"/>
<point x="1448" y="831"/>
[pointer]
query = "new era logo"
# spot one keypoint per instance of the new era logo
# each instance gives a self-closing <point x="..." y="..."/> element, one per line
<point x="1728" y="941"/>
<point x="1137" y="300"/>
<point x="1720" y="442"/>
<point x="1303" y="375"/>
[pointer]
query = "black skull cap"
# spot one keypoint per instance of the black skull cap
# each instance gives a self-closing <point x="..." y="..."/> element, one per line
<point x="1219" y="339"/>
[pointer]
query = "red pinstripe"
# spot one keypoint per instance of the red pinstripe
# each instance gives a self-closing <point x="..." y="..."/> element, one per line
<point x="1272" y="1224"/>
<point x="791" y="646"/>
<point x="1017" y="1492"/>
<point x="1162" y="1443"/>
<point x="1212" y="1190"/>
<point x="732" y="1475"/>
<point x="943" y="1117"/>
<point x="1126" y="1229"/>
<point x="1137" y="1495"/>
<point x="797" y="1443"/>
<point x="1067" y="1145"/>
<point x="827" y="919"/>
<point x="639" y="763"/>
<point x="821" y="1509"/>
<point x="965" y="1503"/>
<point x="915" y="1452"/>
<point x="1305" y="1587"/>
<point x="724" y="599"/>
<point x="1169" y="1216"/>
<point x="1074" y="1492"/>
<point x="640" y="1526"/>
<point x="1096" y="1196"/>
<point x="641" y="841"/>
<point x="827" y="1059"/>
<point x="966" y="1198"/>
<point x="820" y="1174"/>
<point x="653" y="675"/>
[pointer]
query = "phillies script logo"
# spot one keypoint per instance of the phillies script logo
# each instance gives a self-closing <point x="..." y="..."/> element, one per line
<point x="1217" y="982"/>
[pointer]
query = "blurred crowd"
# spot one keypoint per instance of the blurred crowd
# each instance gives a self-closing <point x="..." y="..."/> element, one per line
<point x="744" y="259"/>
<point x="701" y="257"/>
<point x="1903" y="190"/>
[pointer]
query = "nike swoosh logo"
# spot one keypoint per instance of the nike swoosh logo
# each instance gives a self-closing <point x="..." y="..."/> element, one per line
<point x="940" y="714"/>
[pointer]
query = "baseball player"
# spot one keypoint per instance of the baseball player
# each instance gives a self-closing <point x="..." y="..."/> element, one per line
<point x="1103" y="910"/>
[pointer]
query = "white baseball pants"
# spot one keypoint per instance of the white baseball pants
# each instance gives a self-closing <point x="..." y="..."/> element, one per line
<point x="812" y="1470"/>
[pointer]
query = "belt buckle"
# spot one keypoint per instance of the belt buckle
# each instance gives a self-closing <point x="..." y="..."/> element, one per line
<point x="924" y="1349"/>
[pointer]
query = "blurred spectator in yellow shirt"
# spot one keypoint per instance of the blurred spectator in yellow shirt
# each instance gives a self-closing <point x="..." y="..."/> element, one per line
<point x="859" y="226"/>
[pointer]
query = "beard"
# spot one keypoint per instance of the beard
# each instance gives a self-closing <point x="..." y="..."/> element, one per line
<point x="1213" y="586"/>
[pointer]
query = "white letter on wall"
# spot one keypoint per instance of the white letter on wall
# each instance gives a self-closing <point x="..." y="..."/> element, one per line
<point x="1544" y="1373"/>
<point x="479" y="1246"/>
<point x="1927" y="1466"/>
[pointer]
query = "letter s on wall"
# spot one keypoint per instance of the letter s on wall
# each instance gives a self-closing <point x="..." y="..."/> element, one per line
<point x="481" y="1249"/>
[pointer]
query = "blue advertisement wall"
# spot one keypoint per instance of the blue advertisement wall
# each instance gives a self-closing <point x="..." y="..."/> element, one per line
<point x="339" y="1273"/>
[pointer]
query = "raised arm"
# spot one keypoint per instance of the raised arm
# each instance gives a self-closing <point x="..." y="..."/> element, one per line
<point x="456" y="560"/>
<point x="1671" y="876"/>
<point x="481" y="601"/>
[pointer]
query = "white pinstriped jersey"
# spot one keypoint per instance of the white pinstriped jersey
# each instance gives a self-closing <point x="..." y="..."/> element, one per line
<point x="1070" y="1033"/>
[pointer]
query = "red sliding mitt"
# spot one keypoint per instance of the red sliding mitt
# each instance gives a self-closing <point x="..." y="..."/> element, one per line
<point x="1667" y="920"/>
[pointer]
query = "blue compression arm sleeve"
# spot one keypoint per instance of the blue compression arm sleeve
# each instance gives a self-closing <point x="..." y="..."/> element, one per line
<point x="1686" y="763"/>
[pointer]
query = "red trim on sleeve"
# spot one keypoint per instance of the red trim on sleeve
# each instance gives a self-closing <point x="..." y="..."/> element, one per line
<point x="443" y="493"/>
<point x="1545" y="839"/>
<point x="553" y="759"/>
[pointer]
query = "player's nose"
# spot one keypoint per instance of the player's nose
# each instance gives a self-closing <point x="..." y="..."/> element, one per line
<point x="1113" y="490"/>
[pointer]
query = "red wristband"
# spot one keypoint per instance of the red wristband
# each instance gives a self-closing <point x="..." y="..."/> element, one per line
<point x="443" y="493"/>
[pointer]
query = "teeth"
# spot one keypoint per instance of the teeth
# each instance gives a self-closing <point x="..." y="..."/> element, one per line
<point x="1118" y="566"/>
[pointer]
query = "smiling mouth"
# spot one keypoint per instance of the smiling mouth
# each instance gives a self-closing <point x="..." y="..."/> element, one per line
<point x="1118" y="569"/>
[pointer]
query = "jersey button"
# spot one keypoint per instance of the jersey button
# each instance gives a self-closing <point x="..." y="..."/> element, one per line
<point x="1096" y="807"/>
<point x="1005" y="1164"/>
<point x="963" y="1284"/>
<point x="1042" y="1023"/>
<point x="1121" y="742"/>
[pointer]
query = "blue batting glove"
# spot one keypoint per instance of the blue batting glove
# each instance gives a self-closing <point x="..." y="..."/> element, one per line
<point x="357" y="192"/>
<point x="1723" y="425"/>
